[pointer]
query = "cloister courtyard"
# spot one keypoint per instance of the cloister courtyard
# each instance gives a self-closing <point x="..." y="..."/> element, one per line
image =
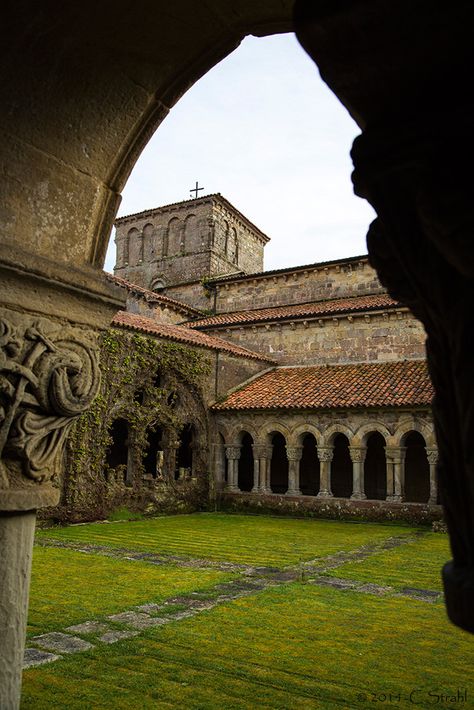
<point x="212" y="610"/>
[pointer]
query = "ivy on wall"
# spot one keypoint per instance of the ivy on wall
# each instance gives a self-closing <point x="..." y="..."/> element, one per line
<point x="141" y="377"/>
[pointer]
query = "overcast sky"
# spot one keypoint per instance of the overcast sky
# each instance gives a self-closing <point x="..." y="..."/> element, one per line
<point x="262" y="129"/>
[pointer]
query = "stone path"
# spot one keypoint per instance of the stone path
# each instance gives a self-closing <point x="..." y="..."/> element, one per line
<point x="52" y="646"/>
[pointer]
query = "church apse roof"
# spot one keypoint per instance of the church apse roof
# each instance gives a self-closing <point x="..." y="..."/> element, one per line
<point x="185" y="335"/>
<point x="352" y="304"/>
<point x="389" y="384"/>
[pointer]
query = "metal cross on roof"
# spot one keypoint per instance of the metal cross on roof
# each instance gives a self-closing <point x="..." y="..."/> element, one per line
<point x="196" y="190"/>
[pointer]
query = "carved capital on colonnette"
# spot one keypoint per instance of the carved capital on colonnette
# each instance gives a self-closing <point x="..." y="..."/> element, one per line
<point x="325" y="453"/>
<point x="49" y="375"/>
<point x="432" y="454"/>
<point x="357" y="453"/>
<point x="396" y="454"/>
<point x="262" y="451"/>
<point x="232" y="452"/>
<point x="294" y="453"/>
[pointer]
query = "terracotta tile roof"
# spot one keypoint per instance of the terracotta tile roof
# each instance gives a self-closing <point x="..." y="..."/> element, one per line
<point x="390" y="384"/>
<point x="152" y="296"/>
<point x="183" y="335"/>
<point x="305" y="310"/>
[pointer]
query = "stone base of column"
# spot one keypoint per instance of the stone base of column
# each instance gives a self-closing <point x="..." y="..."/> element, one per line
<point x="325" y="494"/>
<point x="256" y="489"/>
<point x="358" y="496"/>
<point x="394" y="499"/>
<point x="293" y="492"/>
<point x="265" y="489"/>
<point x="232" y="488"/>
<point x="433" y="501"/>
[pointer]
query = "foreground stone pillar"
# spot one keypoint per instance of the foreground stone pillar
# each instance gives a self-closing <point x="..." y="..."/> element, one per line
<point x="294" y="454"/>
<point x="358" y="454"/>
<point x="432" y="455"/>
<point x="49" y="375"/>
<point x="325" y="456"/>
<point x="233" y="456"/>
<point x="395" y="458"/>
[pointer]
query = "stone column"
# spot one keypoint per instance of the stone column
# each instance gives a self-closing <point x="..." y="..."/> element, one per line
<point x="395" y="457"/>
<point x="233" y="456"/>
<point x="358" y="454"/>
<point x="265" y="463"/>
<point x="49" y="375"/>
<point x="169" y="457"/>
<point x="325" y="455"/>
<point x="432" y="455"/>
<point x="294" y="454"/>
<point x="261" y="455"/>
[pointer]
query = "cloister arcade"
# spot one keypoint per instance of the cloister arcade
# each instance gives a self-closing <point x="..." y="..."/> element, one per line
<point x="366" y="461"/>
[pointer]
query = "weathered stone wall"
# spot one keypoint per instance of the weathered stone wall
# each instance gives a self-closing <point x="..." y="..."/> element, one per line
<point x="393" y="424"/>
<point x="351" y="277"/>
<point x="366" y="337"/>
<point x="156" y="311"/>
<point x="185" y="242"/>
<point x="233" y="371"/>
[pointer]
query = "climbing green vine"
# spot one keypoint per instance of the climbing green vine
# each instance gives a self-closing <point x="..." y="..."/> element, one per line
<point x="141" y="379"/>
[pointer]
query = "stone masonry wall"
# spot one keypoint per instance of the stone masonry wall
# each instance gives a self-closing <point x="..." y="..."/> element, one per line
<point x="346" y="339"/>
<point x="186" y="241"/>
<point x="350" y="277"/>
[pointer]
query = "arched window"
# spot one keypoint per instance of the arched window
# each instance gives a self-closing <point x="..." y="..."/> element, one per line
<point x="375" y="468"/>
<point x="184" y="456"/>
<point x="245" y="468"/>
<point x="417" y="469"/>
<point x="153" y="453"/>
<point x="279" y="465"/>
<point x="309" y="467"/>
<point x="341" y="468"/>
<point x="117" y="451"/>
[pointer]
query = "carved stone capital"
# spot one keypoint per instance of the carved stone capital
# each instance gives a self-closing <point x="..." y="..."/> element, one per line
<point x="262" y="451"/>
<point x="294" y="453"/>
<point x="325" y="453"/>
<point x="49" y="375"/>
<point x="232" y="452"/>
<point x="357" y="453"/>
<point x="432" y="454"/>
<point x="395" y="454"/>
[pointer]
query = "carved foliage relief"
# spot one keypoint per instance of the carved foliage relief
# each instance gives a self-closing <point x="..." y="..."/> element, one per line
<point x="49" y="375"/>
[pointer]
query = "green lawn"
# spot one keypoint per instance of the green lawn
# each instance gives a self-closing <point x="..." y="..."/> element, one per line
<point x="296" y="646"/>
<point x="259" y="540"/>
<point x="293" y="646"/>
<point x="69" y="587"/>
<point x="417" y="564"/>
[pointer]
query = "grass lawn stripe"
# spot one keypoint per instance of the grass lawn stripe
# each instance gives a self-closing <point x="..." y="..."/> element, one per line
<point x="237" y="538"/>
<point x="68" y="587"/>
<point x="294" y="646"/>
<point x="416" y="564"/>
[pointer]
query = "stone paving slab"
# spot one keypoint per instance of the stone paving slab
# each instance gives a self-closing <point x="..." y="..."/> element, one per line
<point x="114" y="636"/>
<point x="88" y="627"/>
<point x="137" y="620"/>
<point x="57" y="641"/>
<point x="34" y="657"/>
<point x="151" y="608"/>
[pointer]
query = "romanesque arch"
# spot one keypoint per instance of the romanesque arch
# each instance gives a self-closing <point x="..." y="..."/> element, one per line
<point x="246" y="462"/>
<point x="416" y="468"/>
<point x="341" y="467"/>
<point x="375" y="466"/>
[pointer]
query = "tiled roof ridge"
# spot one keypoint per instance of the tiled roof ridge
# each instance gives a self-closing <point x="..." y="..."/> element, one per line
<point x="152" y="296"/>
<point x="350" y="386"/>
<point x="288" y="269"/>
<point x="182" y="334"/>
<point x="210" y="196"/>
<point x="344" y="304"/>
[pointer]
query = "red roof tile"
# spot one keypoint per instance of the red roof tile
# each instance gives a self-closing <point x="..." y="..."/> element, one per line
<point x="305" y="310"/>
<point x="152" y="296"/>
<point x="183" y="335"/>
<point x="389" y="384"/>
